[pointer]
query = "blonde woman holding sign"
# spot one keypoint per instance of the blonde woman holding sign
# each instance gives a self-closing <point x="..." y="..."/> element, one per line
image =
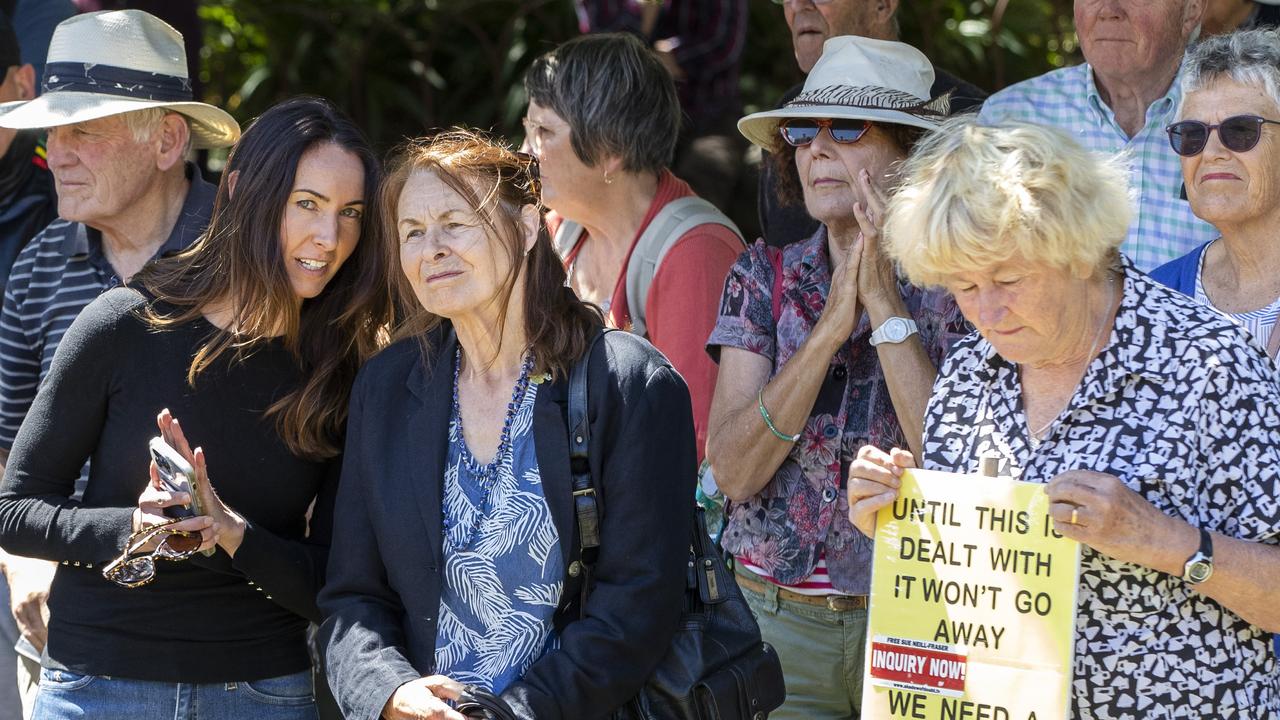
<point x="1153" y="421"/>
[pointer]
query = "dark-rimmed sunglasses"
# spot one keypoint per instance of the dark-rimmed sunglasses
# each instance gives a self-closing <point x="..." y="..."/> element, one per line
<point x="798" y="132"/>
<point x="136" y="567"/>
<point x="1239" y="133"/>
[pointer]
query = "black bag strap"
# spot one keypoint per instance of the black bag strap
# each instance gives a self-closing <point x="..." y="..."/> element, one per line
<point x="707" y="568"/>
<point x="586" y="501"/>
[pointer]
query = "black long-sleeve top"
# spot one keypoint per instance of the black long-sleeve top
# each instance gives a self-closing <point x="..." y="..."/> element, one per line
<point x="212" y="619"/>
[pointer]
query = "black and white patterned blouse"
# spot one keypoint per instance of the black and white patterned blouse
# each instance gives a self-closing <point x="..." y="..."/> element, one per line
<point x="1184" y="408"/>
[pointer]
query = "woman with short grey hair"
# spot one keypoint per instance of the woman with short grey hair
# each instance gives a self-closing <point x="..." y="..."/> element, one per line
<point x="1229" y="141"/>
<point x="603" y="119"/>
<point x="1153" y="422"/>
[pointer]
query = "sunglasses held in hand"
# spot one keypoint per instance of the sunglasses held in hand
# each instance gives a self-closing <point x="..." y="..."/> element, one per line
<point x="136" y="567"/>
<point x="799" y="132"/>
<point x="1239" y="133"/>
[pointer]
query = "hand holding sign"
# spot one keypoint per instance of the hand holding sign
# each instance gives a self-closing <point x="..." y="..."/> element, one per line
<point x="1114" y="520"/>
<point x="873" y="484"/>
<point x="973" y="597"/>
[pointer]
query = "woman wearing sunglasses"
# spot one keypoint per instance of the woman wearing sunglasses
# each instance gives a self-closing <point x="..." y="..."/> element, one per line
<point x="253" y="337"/>
<point x="823" y="349"/>
<point x="1229" y="140"/>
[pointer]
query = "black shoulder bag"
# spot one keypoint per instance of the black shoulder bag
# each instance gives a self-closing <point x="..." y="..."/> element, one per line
<point x="717" y="667"/>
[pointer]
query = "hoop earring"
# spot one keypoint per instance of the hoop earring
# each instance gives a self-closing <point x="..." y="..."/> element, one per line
<point x="607" y="180"/>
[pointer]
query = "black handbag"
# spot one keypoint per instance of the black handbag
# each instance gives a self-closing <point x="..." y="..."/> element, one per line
<point x="479" y="704"/>
<point x="717" y="667"/>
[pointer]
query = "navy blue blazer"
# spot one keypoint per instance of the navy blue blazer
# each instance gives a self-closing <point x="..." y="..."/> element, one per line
<point x="381" y="600"/>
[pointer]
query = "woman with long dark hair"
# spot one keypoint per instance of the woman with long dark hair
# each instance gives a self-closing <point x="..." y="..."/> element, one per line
<point x="252" y="336"/>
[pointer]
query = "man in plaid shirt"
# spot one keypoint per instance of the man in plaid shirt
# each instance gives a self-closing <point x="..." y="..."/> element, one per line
<point x="1120" y="101"/>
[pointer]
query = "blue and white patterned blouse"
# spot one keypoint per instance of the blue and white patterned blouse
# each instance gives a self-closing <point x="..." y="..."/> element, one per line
<point x="502" y="587"/>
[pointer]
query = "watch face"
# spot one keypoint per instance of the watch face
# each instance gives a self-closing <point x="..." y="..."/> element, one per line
<point x="896" y="330"/>
<point x="1198" y="571"/>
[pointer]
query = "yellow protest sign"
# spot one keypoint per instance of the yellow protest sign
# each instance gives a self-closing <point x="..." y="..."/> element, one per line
<point x="973" y="601"/>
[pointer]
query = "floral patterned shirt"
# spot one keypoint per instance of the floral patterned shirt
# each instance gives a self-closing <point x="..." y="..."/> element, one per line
<point x="503" y="570"/>
<point x="803" y="511"/>
<point x="1183" y="407"/>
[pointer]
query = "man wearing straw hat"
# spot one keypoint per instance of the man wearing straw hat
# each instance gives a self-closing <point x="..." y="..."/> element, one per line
<point x="117" y="103"/>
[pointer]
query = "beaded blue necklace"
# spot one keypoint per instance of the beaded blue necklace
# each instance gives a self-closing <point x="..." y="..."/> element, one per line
<point x="485" y="475"/>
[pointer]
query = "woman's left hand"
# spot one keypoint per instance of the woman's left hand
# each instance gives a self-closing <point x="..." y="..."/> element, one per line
<point x="1100" y="511"/>
<point x="877" y="281"/>
<point x="228" y="526"/>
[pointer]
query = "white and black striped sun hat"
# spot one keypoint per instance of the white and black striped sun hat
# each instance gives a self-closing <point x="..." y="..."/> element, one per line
<point x="860" y="79"/>
<point x="107" y="63"/>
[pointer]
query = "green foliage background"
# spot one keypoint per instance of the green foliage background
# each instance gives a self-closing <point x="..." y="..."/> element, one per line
<point x="401" y="67"/>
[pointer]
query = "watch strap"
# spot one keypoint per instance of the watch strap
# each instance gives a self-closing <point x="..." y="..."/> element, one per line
<point x="1206" y="545"/>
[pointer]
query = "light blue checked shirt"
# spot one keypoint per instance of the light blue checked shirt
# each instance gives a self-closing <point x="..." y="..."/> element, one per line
<point x="1164" y="227"/>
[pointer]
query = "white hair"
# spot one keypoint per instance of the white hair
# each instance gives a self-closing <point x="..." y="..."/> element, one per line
<point x="1246" y="57"/>
<point x="976" y="194"/>
<point x="144" y="123"/>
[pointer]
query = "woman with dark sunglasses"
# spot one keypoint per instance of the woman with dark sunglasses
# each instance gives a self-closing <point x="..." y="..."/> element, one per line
<point x="1229" y="140"/>
<point x="253" y="336"/>
<point x="1230" y="148"/>
<point x="822" y="348"/>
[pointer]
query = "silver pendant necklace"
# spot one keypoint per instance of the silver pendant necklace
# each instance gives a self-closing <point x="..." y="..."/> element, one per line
<point x="1037" y="435"/>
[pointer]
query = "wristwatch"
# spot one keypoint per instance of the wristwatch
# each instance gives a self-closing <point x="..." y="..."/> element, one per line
<point x="1199" y="567"/>
<point x="893" y="330"/>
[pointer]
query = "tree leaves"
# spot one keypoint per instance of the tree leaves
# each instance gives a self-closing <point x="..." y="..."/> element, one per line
<point x="403" y="67"/>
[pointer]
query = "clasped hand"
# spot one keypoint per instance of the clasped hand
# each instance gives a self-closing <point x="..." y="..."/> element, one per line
<point x="864" y="276"/>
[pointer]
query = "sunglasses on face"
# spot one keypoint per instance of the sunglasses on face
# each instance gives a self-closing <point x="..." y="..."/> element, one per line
<point x="802" y="131"/>
<point x="136" y="567"/>
<point x="1237" y="134"/>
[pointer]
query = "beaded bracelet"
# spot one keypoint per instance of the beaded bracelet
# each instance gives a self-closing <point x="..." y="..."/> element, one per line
<point x="769" y="421"/>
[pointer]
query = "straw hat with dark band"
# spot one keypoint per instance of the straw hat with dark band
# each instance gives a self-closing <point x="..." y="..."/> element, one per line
<point x="860" y="79"/>
<point x="107" y="63"/>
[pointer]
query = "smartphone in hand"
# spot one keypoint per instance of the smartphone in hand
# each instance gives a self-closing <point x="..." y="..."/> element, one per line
<point x="177" y="475"/>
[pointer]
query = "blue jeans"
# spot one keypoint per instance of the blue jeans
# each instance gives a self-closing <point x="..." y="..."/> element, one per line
<point x="64" y="695"/>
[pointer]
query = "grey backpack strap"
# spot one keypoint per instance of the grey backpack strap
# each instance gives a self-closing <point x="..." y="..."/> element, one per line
<point x="670" y="224"/>
<point x="567" y="236"/>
